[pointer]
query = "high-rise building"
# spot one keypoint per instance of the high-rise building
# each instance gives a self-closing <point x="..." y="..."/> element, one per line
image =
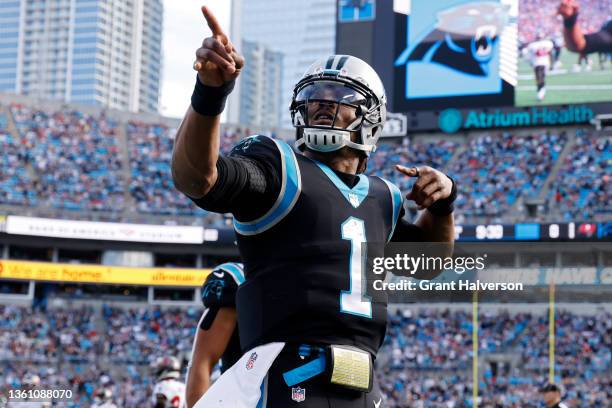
<point x="260" y="104"/>
<point x="102" y="52"/>
<point x="302" y="30"/>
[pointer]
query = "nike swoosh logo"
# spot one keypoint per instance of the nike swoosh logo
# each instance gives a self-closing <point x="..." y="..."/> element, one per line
<point x="219" y="274"/>
<point x="377" y="404"/>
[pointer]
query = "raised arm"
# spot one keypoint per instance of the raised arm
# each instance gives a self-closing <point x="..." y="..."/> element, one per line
<point x="196" y="146"/>
<point x="572" y="33"/>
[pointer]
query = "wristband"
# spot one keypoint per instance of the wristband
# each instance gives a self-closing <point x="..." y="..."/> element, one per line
<point x="445" y="206"/>
<point x="569" y="22"/>
<point x="210" y="100"/>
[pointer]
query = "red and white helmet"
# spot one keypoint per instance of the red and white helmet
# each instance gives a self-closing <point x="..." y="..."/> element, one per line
<point x="167" y="367"/>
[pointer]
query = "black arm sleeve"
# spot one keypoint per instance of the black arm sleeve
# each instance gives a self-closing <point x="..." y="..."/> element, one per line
<point x="248" y="183"/>
<point x="600" y="41"/>
<point x="217" y="291"/>
<point x="406" y="231"/>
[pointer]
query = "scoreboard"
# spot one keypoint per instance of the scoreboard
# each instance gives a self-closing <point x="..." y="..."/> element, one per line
<point x="579" y="231"/>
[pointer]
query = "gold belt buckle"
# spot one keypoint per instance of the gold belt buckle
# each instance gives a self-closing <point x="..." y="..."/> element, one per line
<point x="351" y="367"/>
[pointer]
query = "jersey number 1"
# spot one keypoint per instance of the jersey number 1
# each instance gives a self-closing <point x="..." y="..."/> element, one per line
<point x="353" y="229"/>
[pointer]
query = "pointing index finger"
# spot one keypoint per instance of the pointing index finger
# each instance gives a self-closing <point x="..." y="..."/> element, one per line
<point x="408" y="171"/>
<point x="212" y="22"/>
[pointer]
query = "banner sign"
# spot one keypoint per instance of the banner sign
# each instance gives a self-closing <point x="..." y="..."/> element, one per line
<point x="452" y="120"/>
<point x="545" y="276"/>
<point x="57" y="272"/>
<point x="47" y="227"/>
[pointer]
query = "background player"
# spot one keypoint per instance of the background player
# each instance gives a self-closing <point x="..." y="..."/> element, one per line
<point x="552" y="396"/>
<point x="168" y="392"/>
<point x="301" y="219"/>
<point x="216" y="338"/>
<point x="540" y="55"/>
<point x="103" y="398"/>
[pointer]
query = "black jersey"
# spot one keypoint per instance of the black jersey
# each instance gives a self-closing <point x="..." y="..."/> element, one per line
<point x="219" y="290"/>
<point x="601" y="41"/>
<point x="303" y="257"/>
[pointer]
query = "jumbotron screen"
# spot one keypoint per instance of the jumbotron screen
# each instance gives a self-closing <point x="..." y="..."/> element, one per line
<point x="471" y="54"/>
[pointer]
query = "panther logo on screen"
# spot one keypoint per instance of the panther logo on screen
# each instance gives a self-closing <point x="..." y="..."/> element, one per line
<point x="462" y="38"/>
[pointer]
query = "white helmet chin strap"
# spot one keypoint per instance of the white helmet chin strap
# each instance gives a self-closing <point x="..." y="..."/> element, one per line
<point x="330" y="140"/>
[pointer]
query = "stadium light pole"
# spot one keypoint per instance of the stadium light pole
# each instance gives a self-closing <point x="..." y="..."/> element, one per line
<point x="551" y="332"/>
<point x="475" y="349"/>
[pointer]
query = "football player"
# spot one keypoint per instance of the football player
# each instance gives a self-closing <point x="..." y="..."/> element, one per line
<point x="551" y="394"/>
<point x="168" y="391"/>
<point x="216" y="338"/>
<point x="575" y="39"/>
<point x="301" y="217"/>
<point x="540" y="52"/>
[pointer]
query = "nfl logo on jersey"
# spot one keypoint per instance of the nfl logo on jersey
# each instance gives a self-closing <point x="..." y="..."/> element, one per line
<point x="251" y="362"/>
<point x="298" y="394"/>
<point x="354" y="200"/>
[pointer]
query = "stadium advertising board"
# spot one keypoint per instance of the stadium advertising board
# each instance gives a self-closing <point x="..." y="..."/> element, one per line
<point x="46" y="227"/>
<point x="452" y="120"/>
<point x="459" y="57"/>
<point x="546" y="276"/>
<point x="57" y="272"/>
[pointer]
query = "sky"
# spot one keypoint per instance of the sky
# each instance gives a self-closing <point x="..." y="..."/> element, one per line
<point x="183" y="32"/>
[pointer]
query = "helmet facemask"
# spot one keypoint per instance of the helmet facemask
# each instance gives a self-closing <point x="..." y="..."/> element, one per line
<point x="327" y="112"/>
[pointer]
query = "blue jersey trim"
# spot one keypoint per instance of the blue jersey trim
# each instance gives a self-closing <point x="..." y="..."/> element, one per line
<point x="234" y="269"/>
<point x="305" y="372"/>
<point x="291" y="187"/>
<point x="263" y="399"/>
<point x="355" y="195"/>
<point x="396" y="199"/>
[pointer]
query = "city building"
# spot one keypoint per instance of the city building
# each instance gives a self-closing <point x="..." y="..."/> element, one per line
<point x="261" y="82"/>
<point x="302" y="30"/>
<point x="100" y="52"/>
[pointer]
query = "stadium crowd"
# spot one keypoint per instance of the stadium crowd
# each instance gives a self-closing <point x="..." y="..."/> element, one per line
<point x="15" y="182"/>
<point x="436" y="154"/>
<point x="581" y="189"/>
<point x="427" y="354"/>
<point x="131" y="387"/>
<point x="142" y="335"/>
<point x="495" y="170"/>
<point x="150" y="154"/>
<point x="73" y="160"/>
<point x="425" y="361"/>
<point x="46" y="337"/>
<point x="429" y="339"/>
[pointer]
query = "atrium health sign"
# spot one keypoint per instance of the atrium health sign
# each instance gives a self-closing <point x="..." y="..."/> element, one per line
<point x="452" y="120"/>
